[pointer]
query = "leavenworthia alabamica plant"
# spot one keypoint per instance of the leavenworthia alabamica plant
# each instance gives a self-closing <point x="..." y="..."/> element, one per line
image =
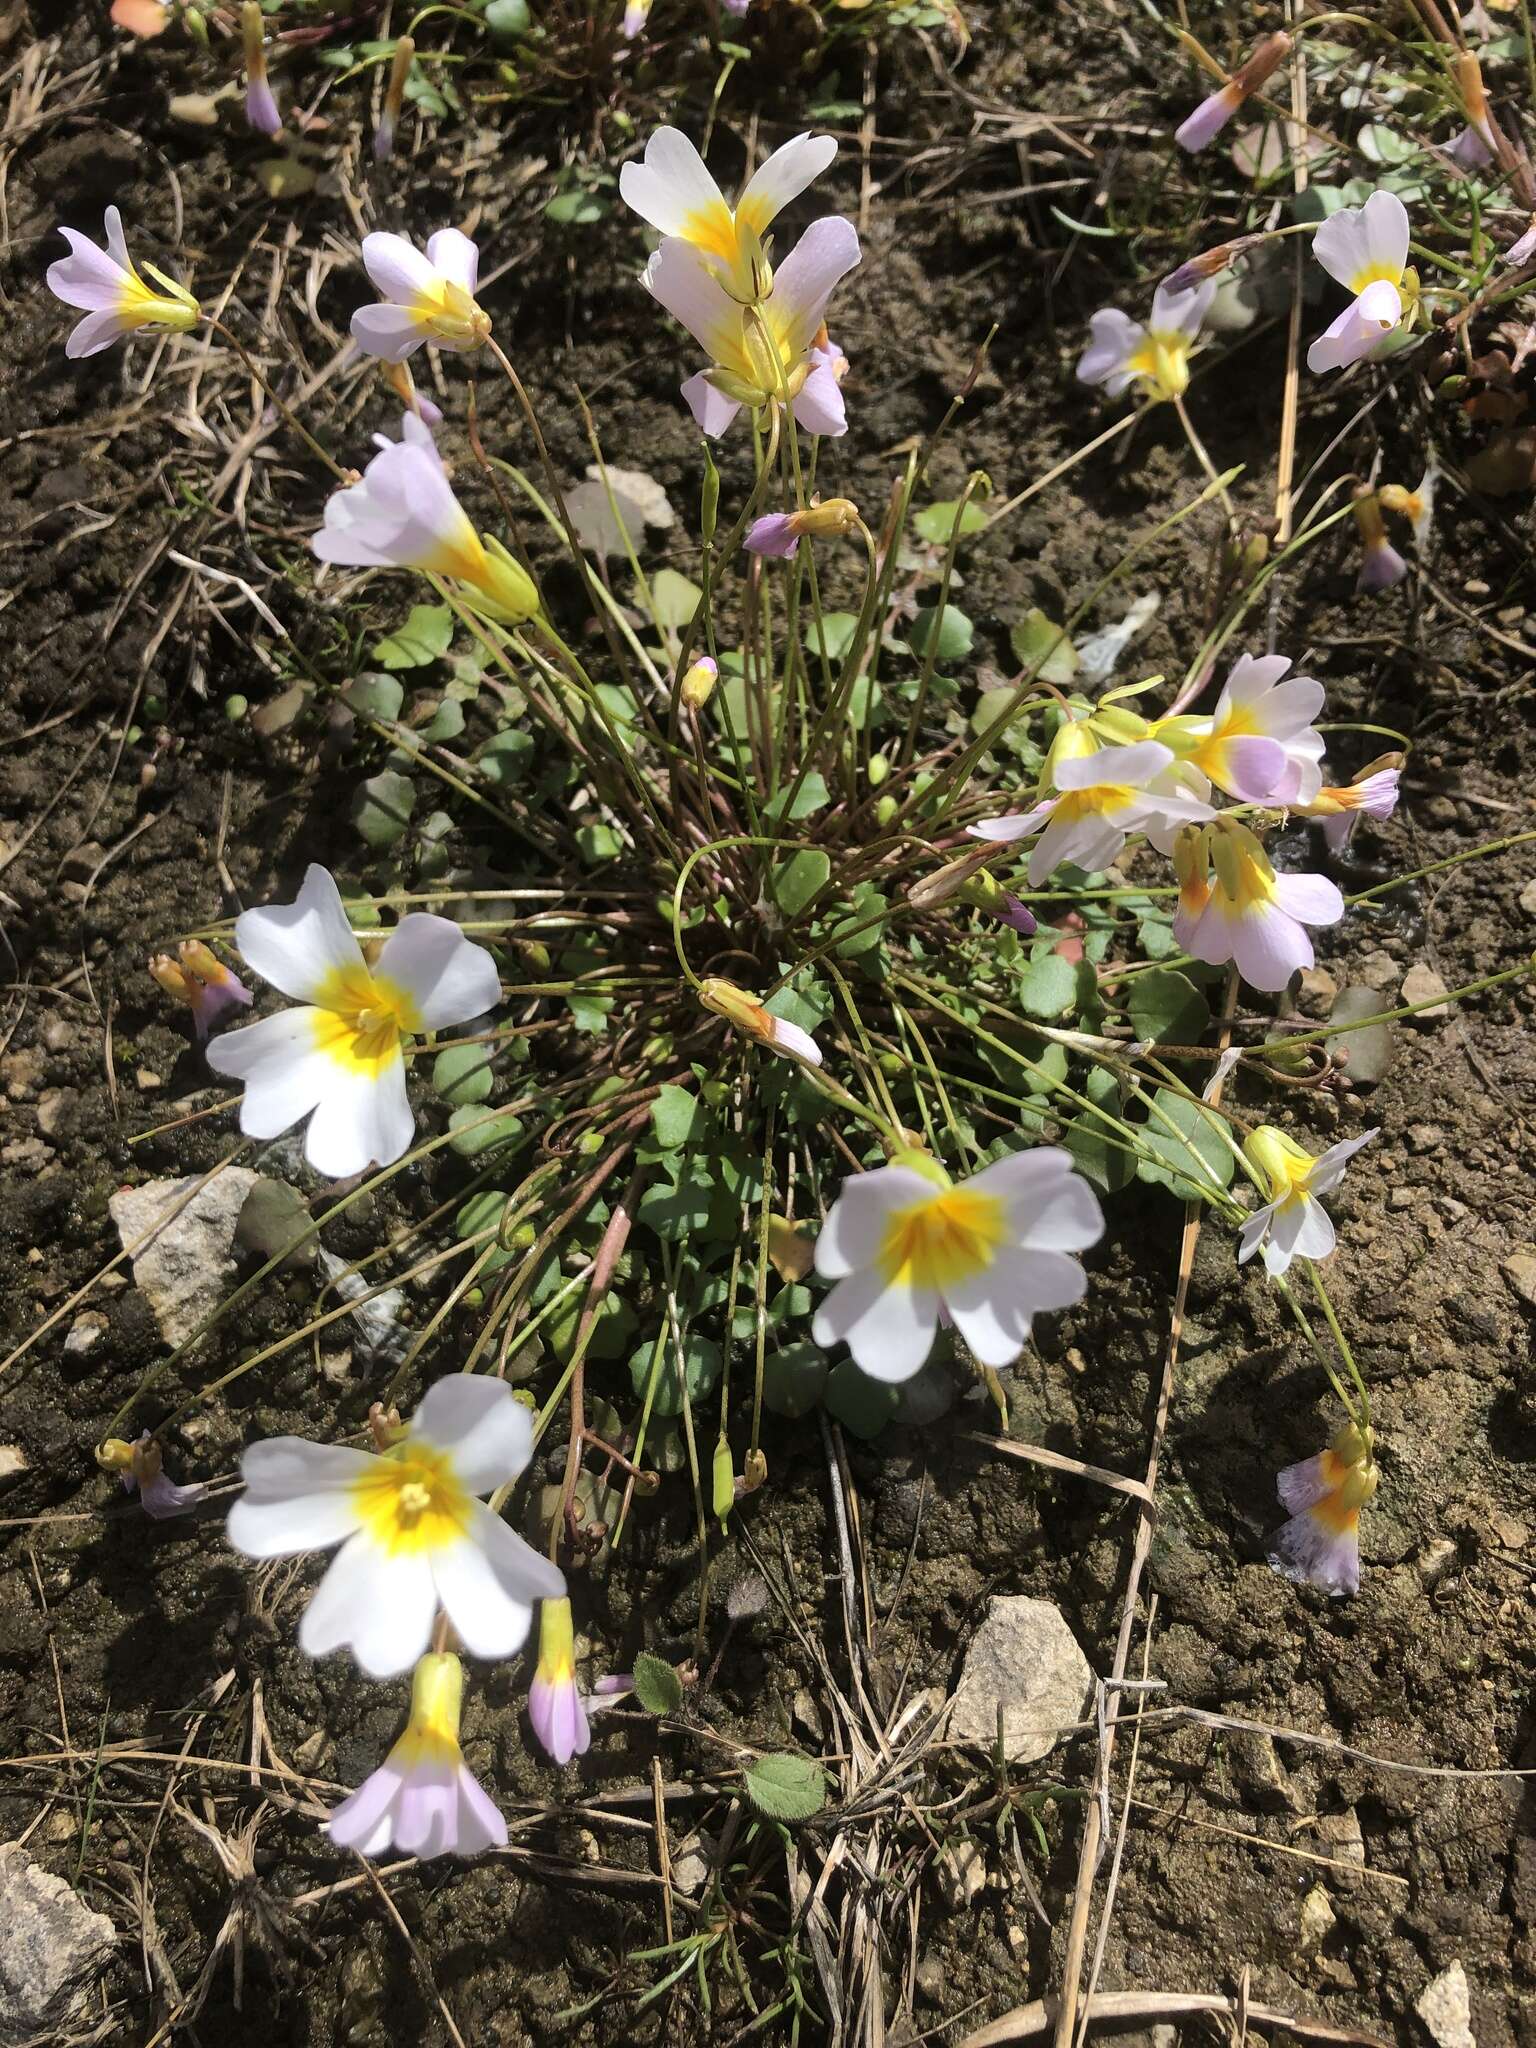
<point x="115" y="299"/>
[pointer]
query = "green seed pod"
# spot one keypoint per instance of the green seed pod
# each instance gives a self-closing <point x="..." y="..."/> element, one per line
<point x="879" y="768"/>
<point x="709" y="498"/>
<point x="885" y="810"/>
<point x="237" y="706"/>
<point x="724" y="1482"/>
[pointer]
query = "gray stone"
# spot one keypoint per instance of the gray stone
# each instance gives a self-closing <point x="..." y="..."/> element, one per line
<point x="1528" y="899"/>
<point x="1519" y="1269"/>
<point x="1446" y="2009"/>
<point x="1340" y="1839"/>
<point x="1025" y="1658"/>
<point x="13" y="1461"/>
<point x="85" y="1333"/>
<point x="272" y="1218"/>
<point x="52" y="1950"/>
<point x="186" y="1267"/>
<point x="1421" y="984"/>
<point x="1370" y="1050"/>
<point x="1317" y="1918"/>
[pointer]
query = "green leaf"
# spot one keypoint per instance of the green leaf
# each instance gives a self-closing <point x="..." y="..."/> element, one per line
<point x="657" y="1685"/>
<point x="1092" y="1142"/>
<point x="936" y="522"/>
<point x="374" y="696"/>
<point x="1048" y="986"/>
<point x="701" y="1364"/>
<point x="507" y="17"/>
<point x="784" y="1787"/>
<point x="1167" y="1008"/>
<point x="504" y="756"/>
<point x="575" y="209"/>
<point x="1039" y="639"/>
<point x="794" y="1379"/>
<point x="476" y="1130"/>
<point x="446" y="722"/>
<point x="949" y="632"/>
<point x="598" y="843"/>
<point x="836" y="633"/>
<point x="462" y="1073"/>
<point x="859" y="1403"/>
<point x="1189" y="1162"/>
<point x="798" y="879"/>
<point x="423" y="638"/>
<point x="676" y="1116"/>
<point x="381" y="808"/>
<point x="675" y="598"/>
<point x="868" y="905"/>
<point x="1379" y="144"/>
<point x="812" y="796"/>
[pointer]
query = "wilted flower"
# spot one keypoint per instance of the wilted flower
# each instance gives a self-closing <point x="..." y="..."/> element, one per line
<point x="1103" y="796"/>
<point x="394" y="99"/>
<point x="1372" y="794"/>
<point x="1518" y="254"/>
<point x="1416" y="506"/>
<point x="767" y="349"/>
<point x="141" y="17"/>
<point x="1320" y="1544"/>
<point x="115" y="299"/>
<point x="779" y="533"/>
<point x="404" y="515"/>
<point x="1380" y="565"/>
<point x="423" y="1800"/>
<point x="1366" y="249"/>
<point x="1213" y="114"/>
<point x="399" y="379"/>
<point x="337" y="1060"/>
<point x="1293" y="1223"/>
<point x="260" y="104"/>
<point x="1155" y="358"/>
<point x="198" y="978"/>
<point x="427" y="297"/>
<point x="140" y="1466"/>
<point x="905" y="1243"/>
<point x="749" y="1015"/>
<point x="554" y="1700"/>
<point x="1259" y="744"/>
<point x="1245" y="912"/>
<point x="674" y="191"/>
<point x="413" y="1533"/>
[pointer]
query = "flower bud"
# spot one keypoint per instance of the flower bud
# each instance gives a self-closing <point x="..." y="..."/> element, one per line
<point x="699" y="682"/>
<point x="260" y="105"/>
<point x="394" y="97"/>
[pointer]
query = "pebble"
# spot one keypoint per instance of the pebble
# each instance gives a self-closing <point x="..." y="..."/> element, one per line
<point x="1369" y="1049"/>
<point x="1421" y="984"/>
<point x="1435" y="1560"/>
<point x="962" y="1874"/>
<point x="1339" y="1837"/>
<point x="147" y="1079"/>
<point x="1317" y="987"/>
<point x="1528" y="899"/>
<point x="85" y="1333"/>
<point x="187" y="1266"/>
<point x="1519" y="1269"/>
<point x="52" y="1950"/>
<point x="931" y="1978"/>
<point x="1025" y="1660"/>
<point x="55" y="1107"/>
<point x="1379" y="971"/>
<point x="1425" y="1137"/>
<point x="1317" y="1917"/>
<point x="21" y="1072"/>
<point x="1445" y="2007"/>
<point x="12" y="1460"/>
<point x="58" y="1034"/>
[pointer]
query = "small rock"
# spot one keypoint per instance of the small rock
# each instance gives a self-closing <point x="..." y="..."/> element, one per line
<point x="273" y="1216"/>
<point x="1446" y="2009"/>
<point x="931" y="1978"/>
<point x="1435" y="1560"/>
<point x="1369" y="1051"/>
<point x="1026" y="1659"/>
<point x="1340" y="1838"/>
<point x="926" y="1397"/>
<point x="1379" y="971"/>
<point x="1511" y="1533"/>
<point x="30" y="1155"/>
<point x="82" y="861"/>
<point x="58" y="1034"/>
<point x="962" y="1872"/>
<point x="1421" y="984"/>
<point x="691" y="1865"/>
<point x="55" y="1110"/>
<point x="13" y="1459"/>
<point x="85" y="1333"/>
<point x="1258" y="1770"/>
<point x="185" y="1268"/>
<point x="1317" y="988"/>
<point x="805" y="1715"/>
<point x="52" y="1950"/>
<point x="21" y="1072"/>
<point x="1528" y="899"/>
<point x="147" y="1079"/>
<point x="1403" y="1198"/>
<point x="1317" y="1918"/>
<point x="1425" y="1137"/>
<point x="1519" y="1269"/>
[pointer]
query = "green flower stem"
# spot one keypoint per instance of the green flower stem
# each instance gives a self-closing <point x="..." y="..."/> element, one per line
<point x="930" y="656"/>
<point x="1438" y="867"/>
<point x="1282" y="1287"/>
<point x="1348" y="1356"/>
<point x="1452" y="995"/>
<point x="836" y="710"/>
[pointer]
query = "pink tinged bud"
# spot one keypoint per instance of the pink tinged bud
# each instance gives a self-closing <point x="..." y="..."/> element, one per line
<point x="774" y="534"/>
<point x="394" y="96"/>
<point x="422" y="1799"/>
<point x="159" y="1496"/>
<point x="198" y="978"/>
<point x="1469" y="152"/>
<point x="1382" y="567"/>
<point x="261" y="108"/>
<point x="384" y="139"/>
<point x="260" y="104"/>
<point x="634" y="18"/>
<point x="554" y="1703"/>
<point x="1208" y="119"/>
<point x="1016" y="914"/>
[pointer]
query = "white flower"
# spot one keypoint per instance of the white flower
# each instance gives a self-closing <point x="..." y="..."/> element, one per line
<point x="412" y="1531"/>
<point x="1259" y="745"/>
<point x="115" y="299"/>
<point x="1245" y="912"/>
<point x="1155" y="357"/>
<point x="403" y="515"/>
<point x="1366" y="249"/>
<point x="766" y="350"/>
<point x="749" y="1015"/>
<point x="1102" y="798"/>
<point x="674" y="191"/>
<point x="423" y="1800"/>
<point x="1293" y="1223"/>
<point x="337" y="1060"/>
<point x="426" y="298"/>
<point x="904" y="1243"/>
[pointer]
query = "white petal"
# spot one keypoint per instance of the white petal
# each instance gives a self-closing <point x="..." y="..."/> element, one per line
<point x="1357" y="330"/>
<point x="783" y="177"/>
<point x="448" y="978"/>
<point x="389" y="332"/>
<point x="818" y="405"/>
<point x="88" y="337"/>
<point x="1328" y="1170"/>
<point x="1181" y="312"/>
<point x="396" y="270"/>
<point x="1090" y="842"/>
<point x="679" y="279"/>
<point x="1130" y="767"/>
<point x="672" y="188"/>
<point x="855" y="1227"/>
<point x="488" y="1585"/>
<point x="1316" y="1238"/>
<point x="992" y="1312"/>
<point x="888" y="1329"/>
<point x="299" y="946"/>
<point x="1019" y="825"/>
<point x="789" y="1038"/>
<point x="363" y="1119"/>
<point x="87" y="277"/>
<point x="1251" y="1236"/>
<point x="279" y="1060"/>
<point x="805" y="280"/>
<point x="1285" y="1226"/>
<point x="1113" y="339"/>
<point x="298" y="1496"/>
<point x="117" y="241"/>
<point x="454" y="256"/>
<point x="379" y="1604"/>
<point x="712" y="411"/>
<point x="475" y="1418"/>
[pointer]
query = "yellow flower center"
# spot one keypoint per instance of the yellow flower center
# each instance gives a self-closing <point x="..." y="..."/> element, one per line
<point x="361" y="1019"/>
<point x="411" y="1500"/>
<point x="175" y="307"/>
<point x="1375" y="273"/>
<point x="942" y="1241"/>
<point x="448" y="313"/>
<point x="1104" y="799"/>
<point x="1161" y="361"/>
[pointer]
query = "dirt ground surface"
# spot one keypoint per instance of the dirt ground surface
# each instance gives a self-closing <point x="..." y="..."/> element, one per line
<point x="1330" y="1885"/>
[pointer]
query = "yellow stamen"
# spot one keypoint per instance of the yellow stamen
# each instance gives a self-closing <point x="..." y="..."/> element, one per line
<point x="942" y="1241"/>
<point x="411" y="1501"/>
<point x="362" y="1017"/>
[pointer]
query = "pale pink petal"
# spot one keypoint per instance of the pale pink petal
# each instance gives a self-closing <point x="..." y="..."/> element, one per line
<point x="454" y="256"/>
<point x="449" y="979"/>
<point x="1114" y="338"/>
<point x="389" y="332"/>
<point x="818" y="405"/>
<point x="1358" y="328"/>
<point x="806" y="279"/>
<point x="88" y="337"/>
<point x="1313" y="899"/>
<point x="1309" y="1553"/>
<point x="712" y="411"/>
<point x="397" y="270"/>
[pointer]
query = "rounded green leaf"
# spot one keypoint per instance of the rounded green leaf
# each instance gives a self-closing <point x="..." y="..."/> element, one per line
<point x="462" y="1073"/>
<point x="859" y="1403"/>
<point x="1167" y="1008"/>
<point x="381" y="809"/>
<point x="784" y="1787"/>
<point x="657" y="1685"/>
